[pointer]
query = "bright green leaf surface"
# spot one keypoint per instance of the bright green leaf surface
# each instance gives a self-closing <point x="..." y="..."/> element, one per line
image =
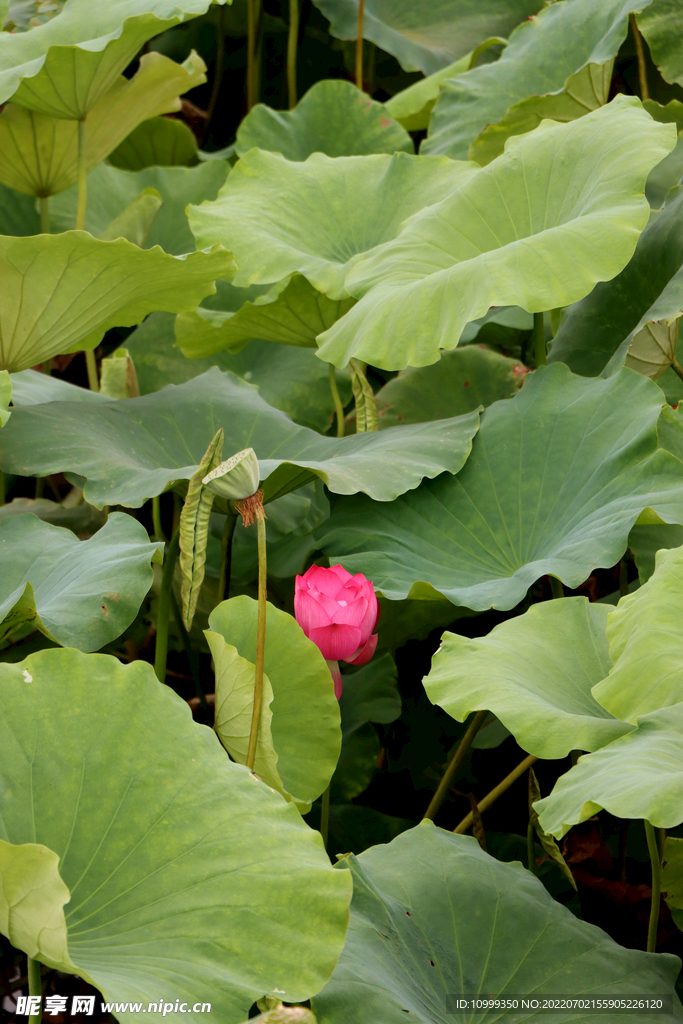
<point x="412" y="107"/>
<point x="63" y="292"/>
<point x="542" y="54"/>
<point x="426" y="35"/>
<point x="433" y="917"/>
<point x="639" y="775"/>
<point x="160" y="141"/>
<point x="537" y="228"/>
<point x="147" y="801"/>
<point x="305" y="714"/>
<point x="334" y="117"/>
<point x="556" y="478"/>
<point x="79" y="593"/>
<point x="535" y="673"/>
<point x="318" y="216"/>
<point x="131" y="450"/>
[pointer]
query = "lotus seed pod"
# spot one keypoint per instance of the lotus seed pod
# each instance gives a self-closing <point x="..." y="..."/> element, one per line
<point x="236" y="478"/>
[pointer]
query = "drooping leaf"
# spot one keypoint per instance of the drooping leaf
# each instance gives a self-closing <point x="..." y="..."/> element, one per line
<point x="63" y="292"/>
<point x="537" y="228"/>
<point x="291" y="313"/>
<point x="79" y="593"/>
<point x="352" y="205"/>
<point x="542" y="54"/>
<point x="334" y="117"/>
<point x="412" y="107"/>
<point x="636" y="776"/>
<point x="672" y="878"/>
<point x="426" y="35"/>
<point x="557" y="477"/>
<point x="135" y="222"/>
<point x="193" y="529"/>
<point x="157" y="142"/>
<point x="117" y="375"/>
<point x="433" y="918"/>
<point x="661" y="22"/>
<point x="645" y="541"/>
<point x="549" y="844"/>
<point x="129" y="451"/>
<point x="535" y="673"/>
<point x="305" y="714"/>
<point x="147" y="801"/>
<point x="653" y="349"/>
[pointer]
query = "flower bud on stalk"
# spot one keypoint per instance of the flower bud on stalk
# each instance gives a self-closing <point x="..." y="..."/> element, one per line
<point x="237" y="479"/>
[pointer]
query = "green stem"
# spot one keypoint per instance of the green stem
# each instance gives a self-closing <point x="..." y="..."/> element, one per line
<point x="359" y="45"/>
<point x="91" y="366"/>
<point x="497" y="791"/>
<point x="252" y="30"/>
<point x="218" y="67"/>
<point x="226" y="558"/>
<point x="260" y="641"/>
<point x="82" y="182"/>
<point x="656" y="863"/>
<point x="676" y="366"/>
<point x="164" y="610"/>
<point x="530" y="850"/>
<point x="35" y="984"/>
<point x="642" y="66"/>
<point x="556" y="588"/>
<point x="623" y="577"/>
<point x="45" y="215"/>
<point x="454" y="764"/>
<point x="339" y="408"/>
<point x="538" y="335"/>
<point x="190" y="654"/>
<point x="156" y="518"/>
<point x="325" y="816"/>
<point x="292" y="42"/>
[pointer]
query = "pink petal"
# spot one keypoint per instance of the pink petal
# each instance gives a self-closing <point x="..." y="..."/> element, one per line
<point x="309" y="613"/>
<point x="325" y="580"/>
<point x="336" y="676"/>
<point x="341" y="572"/>
<point x="362" y="656"/>
<point x="352" y="614"/>
<point x="336" y="642"/>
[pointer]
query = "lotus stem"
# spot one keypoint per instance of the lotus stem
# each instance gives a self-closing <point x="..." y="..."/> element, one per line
<point x="164" y="610"/>
<point x="252" y="70"/>
<point x="497" y="791"/>
<point x="339" y="408"/>
<point x="226" y="558"/>
<point x="260" y="639"/>
<point x="454" y="764"/>
<point x="623" y="577"/>
<point x="35" y="984"/>
<point x="325" y="815"/>
<point x="556" y="588"/>
<point x="156" y="518"/>
<point x="640" y="52"/>
<point x="91" y="366"/>
<point x="190" y="654"/>
<point x="45" y="215"/>
<point x="3" y="494"/>
<point x="82" y="178"/>
<point x="359" y="45"/>
<point x="656" y="862"/>
<point x="530" y="849"/>
<point x="218" y="67"/>
<point x="677" y="368"/>
<point x="538" y="336"/>
<point x="292" y="42"/>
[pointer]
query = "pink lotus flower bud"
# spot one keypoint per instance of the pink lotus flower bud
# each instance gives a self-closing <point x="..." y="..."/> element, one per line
<point x="338" y="612"/>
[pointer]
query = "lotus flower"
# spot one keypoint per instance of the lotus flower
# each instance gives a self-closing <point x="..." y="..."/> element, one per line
<point x="338" y="612"/>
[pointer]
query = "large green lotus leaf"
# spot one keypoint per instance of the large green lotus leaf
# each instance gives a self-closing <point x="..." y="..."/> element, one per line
<point x="412" y="107"/>
<point x="292" y="313"/>
<point x="535" y="673"/>
<point x="557" y="477"/>
<point x="82" y="519"/>
<point x="542" y="54"/>
<point x="305" y="723"/>
<point x="158" y="142"/>
<point x="186" y="874"/>
<point x="426" y="35"/>
<point x="461" y="381"/>
<point x="650" y="287"/>
<point x="318" y="216"/>
<point x="536" y="228"/>
<point x="662" y="24"/>
<point x="291" y="379"/>
<point x="640" y="775"/>
<point x="111" y="190"/>
<point x="646" y="645"/>
<point x="79" y="593"/>
<point x="18" y="214"/>
<point x="39" y="154"/>
<point x="645" y="541"/>
<point x="334" y="117"/>
<point x="587" y="90"/>
<point x="132" y="449"/>
<point x="63" y="67"/>
<point x="61" y="293"/>
<point x="433" y="918"/>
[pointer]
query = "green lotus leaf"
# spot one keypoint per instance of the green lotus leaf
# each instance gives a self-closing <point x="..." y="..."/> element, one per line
<point x="318" y="216"/>
<point x="653" y="349"/>
<point x="433" y="918"/>
<point x="587" y="90"/>
<point x="672" y="878"/>
<point x="79" y="593"/>
<point x="63" y="292"/>
<point x="291" y="379"/>
<point x="81" y="519"/>
<point x="662" y="23"/>
<point x="193" y="529"/>
<point x="111" y="191"/>
<point x="305" y="714"/>
<point x="334" y="117"/>
<point x="157" y="142"/>
<point x="497" y="241"/>
<point x="668" y="172"/>
<point x="535" y="673"/>
<point x="460" y="382"/>
<point x="412" y="107"/>
<point x="426" y="35"/>
<point x="18" y="214"/>
<point x="29" y="387"/>
<point x="63" y="67"/>
<point x="292" y="313"/>
<point x="135" y="222"/>
<point x="39" y="154"/>
<point x="148" y="800"/>
<point x="645" y="541"/>
<point x="637" y="776"/>
<point x="542" y="54"/>
<point x="557" y="477"/>
<point x="601" y="326"/>
<point x="132" y="450"/>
